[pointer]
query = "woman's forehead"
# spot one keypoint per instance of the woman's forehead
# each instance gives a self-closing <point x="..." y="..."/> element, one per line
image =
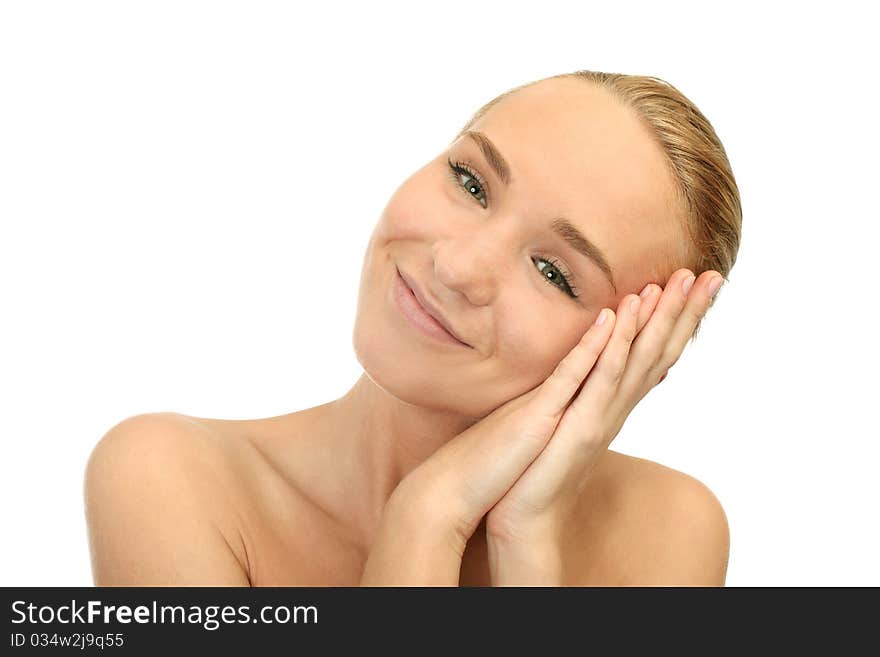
<point x="580" y="134"/>
<point x="577" y="149"/>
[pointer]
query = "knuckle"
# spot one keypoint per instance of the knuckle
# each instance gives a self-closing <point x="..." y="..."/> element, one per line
<point x="588" y="440"/>
<point x="658" y="359"/>
<point x="633" y="332"/>
<point x="565" y="371"/>
<point x="615" y="373"/>
<point x="645" y="349"/>
<point x="693" y="312"/>
<point x="664" y="362"/>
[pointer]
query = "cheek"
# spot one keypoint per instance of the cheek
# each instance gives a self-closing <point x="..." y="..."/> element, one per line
<point x="531" y="348"/>
<point x="416" y="208"/>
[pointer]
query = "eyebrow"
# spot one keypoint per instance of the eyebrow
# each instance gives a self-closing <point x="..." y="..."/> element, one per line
<point x="562" y="227"/>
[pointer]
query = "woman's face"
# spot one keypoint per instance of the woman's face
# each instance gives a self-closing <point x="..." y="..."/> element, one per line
<point x="485" y="252"/>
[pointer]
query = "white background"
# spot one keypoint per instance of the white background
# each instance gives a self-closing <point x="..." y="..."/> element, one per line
<point x="187" y="190"/>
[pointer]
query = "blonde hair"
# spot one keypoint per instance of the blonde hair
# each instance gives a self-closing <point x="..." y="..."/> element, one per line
<point x="705" y="186"/>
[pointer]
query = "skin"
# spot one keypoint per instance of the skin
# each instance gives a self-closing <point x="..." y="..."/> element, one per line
<point x="605" y="174"/>
<point x="422" y="409"/>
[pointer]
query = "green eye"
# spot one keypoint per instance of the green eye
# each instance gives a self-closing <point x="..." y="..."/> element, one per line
<point x="475" y="187"/>
<point x="471" y="183"/>
<point x="554" y="271"/>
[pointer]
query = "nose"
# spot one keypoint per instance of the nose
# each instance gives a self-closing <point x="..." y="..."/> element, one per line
<point x="472" y="261"/>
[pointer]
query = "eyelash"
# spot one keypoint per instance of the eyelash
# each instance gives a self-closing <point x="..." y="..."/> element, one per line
<point x="458" y="169"/>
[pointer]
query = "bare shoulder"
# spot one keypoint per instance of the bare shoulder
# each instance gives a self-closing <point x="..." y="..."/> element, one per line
<point x="662" y="527"/>
<point x="159" y="503"/>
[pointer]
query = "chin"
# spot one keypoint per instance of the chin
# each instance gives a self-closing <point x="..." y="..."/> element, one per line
<point x="410" y="374"/>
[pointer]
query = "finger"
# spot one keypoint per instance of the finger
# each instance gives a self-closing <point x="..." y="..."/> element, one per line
<point x="695" y="308"/>
<point x="580" y="436"/>
<point x="603" y="380"/>
<point x="649" y="346"/>
<point x="650" y="295"/>
<point x="558" y="389"/>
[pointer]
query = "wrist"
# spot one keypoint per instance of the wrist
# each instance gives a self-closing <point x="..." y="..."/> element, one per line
<point x="433" y="502"/>
<point x="426" y="516"/>
<point x="411" y="549"/>
<point x="519" y="563"/>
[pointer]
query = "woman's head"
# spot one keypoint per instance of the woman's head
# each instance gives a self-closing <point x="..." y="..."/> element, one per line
<point x="563" y="196"/>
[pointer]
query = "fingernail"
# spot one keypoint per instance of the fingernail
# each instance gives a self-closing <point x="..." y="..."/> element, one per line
<point x="634" y="305"/>
<point x="686" y="285"/>
<point x="601" y="318"/>
<point x="645" y="291"/>
<point x="714" y="285"/>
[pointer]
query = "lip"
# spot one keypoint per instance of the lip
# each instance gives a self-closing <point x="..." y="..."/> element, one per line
<point x="419" y="310"/>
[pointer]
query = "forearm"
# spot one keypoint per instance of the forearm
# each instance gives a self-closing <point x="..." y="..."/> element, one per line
<point x="524" y="564"/>
<point x="413" y="549"/>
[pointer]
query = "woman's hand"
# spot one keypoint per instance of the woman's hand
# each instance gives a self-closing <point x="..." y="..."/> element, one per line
<point x="609" y="375"/>
<point x="468" y="476"/>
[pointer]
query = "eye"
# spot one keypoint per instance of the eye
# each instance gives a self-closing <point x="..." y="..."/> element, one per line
<point x="553" y="271"/>
<point x="474" y="186"/>
<point x="471" y="183"/>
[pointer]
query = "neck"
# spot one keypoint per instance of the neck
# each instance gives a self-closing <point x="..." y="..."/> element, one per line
<point x="374" y="440"/>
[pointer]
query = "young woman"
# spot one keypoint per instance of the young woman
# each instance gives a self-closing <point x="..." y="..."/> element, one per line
<point x="520" y="294"/>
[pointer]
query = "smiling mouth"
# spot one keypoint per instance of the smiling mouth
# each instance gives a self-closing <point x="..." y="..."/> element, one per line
<point x="417" y="316"/>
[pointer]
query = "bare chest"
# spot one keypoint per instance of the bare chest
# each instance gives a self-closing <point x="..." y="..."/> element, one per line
<point x="286" y="540"/>
<point x="301" y="547"/>
<point x="290" y="543"/>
